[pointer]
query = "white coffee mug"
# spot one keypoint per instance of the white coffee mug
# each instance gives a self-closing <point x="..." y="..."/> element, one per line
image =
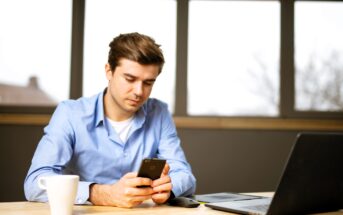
<point x="61" y="190"/>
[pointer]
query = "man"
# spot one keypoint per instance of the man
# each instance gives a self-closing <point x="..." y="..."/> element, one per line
<point x="104" y="138"/>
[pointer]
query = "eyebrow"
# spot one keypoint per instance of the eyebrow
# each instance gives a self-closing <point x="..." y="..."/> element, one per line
<point x="132" y="76"/>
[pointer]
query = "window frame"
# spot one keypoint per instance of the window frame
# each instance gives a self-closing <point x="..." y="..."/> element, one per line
<point x="287" y="67"/>
<point x="78" y="14"/>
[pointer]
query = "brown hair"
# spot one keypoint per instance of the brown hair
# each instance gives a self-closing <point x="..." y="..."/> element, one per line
<point x="136" y="47"/>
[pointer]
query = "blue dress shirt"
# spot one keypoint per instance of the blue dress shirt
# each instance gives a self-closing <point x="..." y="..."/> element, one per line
<point x="80" y="140"/>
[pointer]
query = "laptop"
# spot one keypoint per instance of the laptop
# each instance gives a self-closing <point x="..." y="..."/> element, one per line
<point x="224" y="197"/>
<point x="312" y="180"/>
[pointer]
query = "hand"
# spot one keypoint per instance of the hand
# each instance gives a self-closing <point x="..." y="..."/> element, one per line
<point x="162" y="187"/>
<point x="124" y="193"/>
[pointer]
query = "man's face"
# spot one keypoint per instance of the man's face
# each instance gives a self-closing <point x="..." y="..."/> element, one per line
<point x="129" y="86"/>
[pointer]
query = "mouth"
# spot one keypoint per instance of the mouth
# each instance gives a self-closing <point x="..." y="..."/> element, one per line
<point x="134" y="102"/>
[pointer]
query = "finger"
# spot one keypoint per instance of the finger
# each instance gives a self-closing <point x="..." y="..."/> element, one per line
<point x="160" y="198"/>
<point x="133" y="191"/>
<point x="165" y="169"/>
<point x="130" y="203"/>
<point x="138" y="181"/>
<point x="160" y="195"/>
<point x="163" y="188"/>
<point x="141" y="198"/>
<point x="136" y="203"/>
<point x="162" y="180"/>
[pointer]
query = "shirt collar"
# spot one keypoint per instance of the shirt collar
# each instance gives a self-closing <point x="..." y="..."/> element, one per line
<point x="100" y="115"/>
<point x="99" y="112"/>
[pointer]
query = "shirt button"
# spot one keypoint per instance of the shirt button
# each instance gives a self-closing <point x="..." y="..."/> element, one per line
<point x="125" y="154"/>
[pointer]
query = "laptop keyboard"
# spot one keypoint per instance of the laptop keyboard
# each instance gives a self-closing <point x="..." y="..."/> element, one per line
<point x="258" y="207"/>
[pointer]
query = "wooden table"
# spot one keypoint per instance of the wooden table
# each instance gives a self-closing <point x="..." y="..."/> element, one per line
<point x="148" y="207"/>
<point x="35" y="208"/>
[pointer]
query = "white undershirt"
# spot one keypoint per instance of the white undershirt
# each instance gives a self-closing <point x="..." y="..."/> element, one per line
<point x="122" y="127"/>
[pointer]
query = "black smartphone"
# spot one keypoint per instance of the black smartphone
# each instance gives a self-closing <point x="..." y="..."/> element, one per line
<point x="151" y="168"/>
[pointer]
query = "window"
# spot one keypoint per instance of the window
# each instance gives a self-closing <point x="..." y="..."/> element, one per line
<point x="263" y="58"/>
<point x="34" y="52"/>
<point x="319" y="56"/>
<point x="233" y="58"/>
<point x="106" y="19"/>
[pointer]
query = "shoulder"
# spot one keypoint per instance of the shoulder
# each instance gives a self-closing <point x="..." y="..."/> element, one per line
<point x="83" y="105"/>
<point x="75" y="113"/>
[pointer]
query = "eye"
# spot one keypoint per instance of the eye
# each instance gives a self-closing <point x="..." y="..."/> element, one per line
<point x="129" y="79"/>
<point x="148" y="83"/>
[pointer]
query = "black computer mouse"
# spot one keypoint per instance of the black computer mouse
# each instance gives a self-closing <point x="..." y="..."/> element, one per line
<point x="184" y="202"/>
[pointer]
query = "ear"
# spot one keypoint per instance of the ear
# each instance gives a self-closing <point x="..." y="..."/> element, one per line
<point x="108" y="71"/>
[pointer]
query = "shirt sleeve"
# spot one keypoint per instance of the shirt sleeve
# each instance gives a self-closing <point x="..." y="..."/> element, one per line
<point x="52" y="155"/>
<point x="183" y="180"/>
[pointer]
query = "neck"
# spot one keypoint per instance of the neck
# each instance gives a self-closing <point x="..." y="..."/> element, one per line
<point x="112" y="110"/>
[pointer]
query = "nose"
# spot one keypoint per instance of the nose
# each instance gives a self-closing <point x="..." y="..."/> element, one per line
<point x="138" y="89"/>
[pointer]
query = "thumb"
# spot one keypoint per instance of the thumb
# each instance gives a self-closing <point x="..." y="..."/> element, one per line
<point x="165" y="170"/>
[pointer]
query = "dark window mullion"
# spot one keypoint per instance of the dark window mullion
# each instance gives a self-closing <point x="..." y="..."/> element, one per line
<point x="287" y="87"/>
<point x="76" y="63"/>
<point x="181" y="58"/>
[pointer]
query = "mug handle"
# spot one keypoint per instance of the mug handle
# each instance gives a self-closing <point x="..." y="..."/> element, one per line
<point x="41" y="183"/>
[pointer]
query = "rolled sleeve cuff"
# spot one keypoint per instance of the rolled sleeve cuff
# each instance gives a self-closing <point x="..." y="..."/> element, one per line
<point x="83" y="193"/>
<point x="183" y="186"/>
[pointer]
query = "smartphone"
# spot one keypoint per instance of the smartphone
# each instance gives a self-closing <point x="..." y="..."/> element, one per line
<point x="151" y="168"/>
